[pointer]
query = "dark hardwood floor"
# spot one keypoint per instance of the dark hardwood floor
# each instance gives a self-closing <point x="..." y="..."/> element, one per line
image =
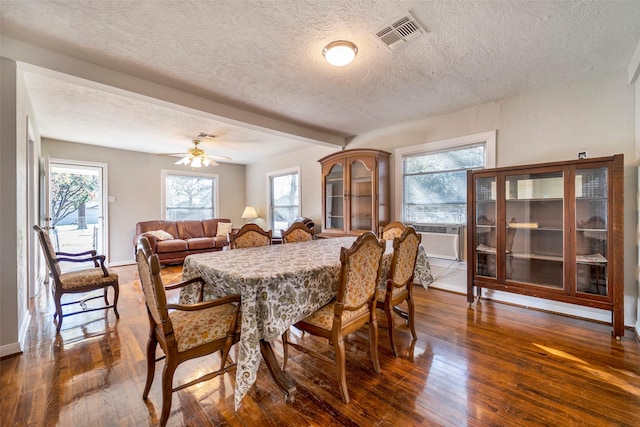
<point x="496" y="364"/>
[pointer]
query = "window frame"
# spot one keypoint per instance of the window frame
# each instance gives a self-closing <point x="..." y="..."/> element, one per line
<point x="163" y="190"/>
<point x="278" y="173"/>
<point x="486" y="138"/>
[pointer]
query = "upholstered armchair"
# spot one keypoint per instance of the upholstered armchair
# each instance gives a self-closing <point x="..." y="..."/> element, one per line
<point x="78" y="281"/>
<point x="391" y="230"/>
<point x="353" y="307"/>
<point x="249" y="236"/>
<point x="297" y="232"/>
<point x="400" y="282"/>
<point x="187" y="332"/>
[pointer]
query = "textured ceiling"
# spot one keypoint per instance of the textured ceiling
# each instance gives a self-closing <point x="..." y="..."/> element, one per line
<point x="265" y="57"/>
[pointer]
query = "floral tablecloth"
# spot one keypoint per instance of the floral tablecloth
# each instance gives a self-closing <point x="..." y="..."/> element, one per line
<point x="279" y="284"/>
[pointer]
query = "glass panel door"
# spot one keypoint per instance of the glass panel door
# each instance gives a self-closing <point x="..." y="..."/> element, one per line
<point x="591" y="231"/>
<point x="534" y="229"/>
<point x="334" y="193"/>
<point x="75" y="206"/>
<point x="361" y="197"/>
<point x="485" y="189"/>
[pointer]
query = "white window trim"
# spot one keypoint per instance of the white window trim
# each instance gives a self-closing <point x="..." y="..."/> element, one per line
<point x="281" y="172"/>
<point x="489" y="139"/>
<point x="163" y="188"/>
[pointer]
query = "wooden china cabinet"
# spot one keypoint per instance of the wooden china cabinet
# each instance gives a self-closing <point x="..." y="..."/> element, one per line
<point x="552" y="230"/>
<point x="355" y="192"/>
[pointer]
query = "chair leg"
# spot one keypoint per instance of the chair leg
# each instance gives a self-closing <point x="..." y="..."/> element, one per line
<point x="338" y="346"/>
<point x="116" y="294"/>
<point x="152" y="344"/>
<point x="412" y="325"/>
<point x="285" y="348"/>
<point x="57" y="298"/>
<point x="106" y="295"/>
<point x="167" y="385"/>
<point x="391" y="326"/>
<point x="373" y="338"/>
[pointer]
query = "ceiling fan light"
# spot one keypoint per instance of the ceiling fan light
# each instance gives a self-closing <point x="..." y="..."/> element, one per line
<point x="196" y="162"/>
<point x="206" y="161"/>
<point x="340" y="52"/>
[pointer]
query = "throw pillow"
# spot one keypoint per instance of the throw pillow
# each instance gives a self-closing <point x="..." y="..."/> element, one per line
<point x="224" y="228"/>
<point x="160" y="234"/>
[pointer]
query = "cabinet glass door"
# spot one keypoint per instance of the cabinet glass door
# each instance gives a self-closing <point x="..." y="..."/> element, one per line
<point x="534" y="228"/>
<point x="591" y="231"/>
<point x="361" y="197"/>
<point x="334" y="193"/>
<point x="486" y="226"/>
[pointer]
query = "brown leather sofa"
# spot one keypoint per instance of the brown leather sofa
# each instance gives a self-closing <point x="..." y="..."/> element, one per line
<point x="183" y="238"/>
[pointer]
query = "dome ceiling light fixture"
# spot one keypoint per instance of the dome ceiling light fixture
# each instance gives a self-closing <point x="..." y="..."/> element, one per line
<point x="340" y="52"/>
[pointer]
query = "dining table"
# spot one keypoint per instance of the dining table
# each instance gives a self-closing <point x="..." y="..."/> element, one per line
<point x="279" y="286"/>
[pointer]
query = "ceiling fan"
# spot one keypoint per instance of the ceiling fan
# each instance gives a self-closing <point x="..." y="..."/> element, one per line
<point x="198" y="158"/>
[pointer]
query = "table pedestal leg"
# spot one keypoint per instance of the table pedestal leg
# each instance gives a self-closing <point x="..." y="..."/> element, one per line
<point x="282" y="379"/>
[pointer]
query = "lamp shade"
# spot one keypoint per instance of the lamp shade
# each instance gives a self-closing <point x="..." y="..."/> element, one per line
<point x="249" y="213"/>
<point x="340" y="52"/>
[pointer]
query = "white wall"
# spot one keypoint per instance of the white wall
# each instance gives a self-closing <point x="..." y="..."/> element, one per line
<point x="594" y="115"/>
<point x="14" y="226"/>
<point x="310" y="182"/>
<point x="135" y="182"/>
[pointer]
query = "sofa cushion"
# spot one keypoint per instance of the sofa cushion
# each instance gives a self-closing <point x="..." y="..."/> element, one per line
<point x="210" y="226"/>
<point x="189" y="229"/>
<point x="160" y="234"/>
<point x="168" y="226"/>
<point x="224" y="228"/>
<point x="174" y="245"/>
<point x="198" y="243"/>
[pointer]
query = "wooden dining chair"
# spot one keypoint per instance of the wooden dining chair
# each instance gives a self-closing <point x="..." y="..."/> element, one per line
<point x="187" y="332"/>
<point x="353" y="307"/>
<point x="391" y="230"/>
<point x="78" y="281"/>
<point x="249" y="236"/>
<point x="297" y="232"/>
<point x="400" y="282"/>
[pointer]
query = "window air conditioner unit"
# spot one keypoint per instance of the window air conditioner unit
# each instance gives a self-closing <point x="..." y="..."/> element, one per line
<point x="441" y="240"/>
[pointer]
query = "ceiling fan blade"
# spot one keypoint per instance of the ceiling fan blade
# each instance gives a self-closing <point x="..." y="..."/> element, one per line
<point x="183" y="161"/>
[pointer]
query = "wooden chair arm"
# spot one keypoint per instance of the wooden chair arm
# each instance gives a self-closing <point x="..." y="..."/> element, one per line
<point x="184" y="283"/>
<point x="205" y="304"/>
<point x="98" y="261"/>
<point x="92" y="252"/>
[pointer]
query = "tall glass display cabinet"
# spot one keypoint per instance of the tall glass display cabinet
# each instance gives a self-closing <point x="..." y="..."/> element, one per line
<point x="355" y="187"/>
<point x="552" y="230"/>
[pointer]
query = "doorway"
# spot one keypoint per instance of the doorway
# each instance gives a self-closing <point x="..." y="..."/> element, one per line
<point x="75" y="201"/>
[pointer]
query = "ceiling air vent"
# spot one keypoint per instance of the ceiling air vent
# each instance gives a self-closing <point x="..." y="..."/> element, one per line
<point x="400" y="30"/>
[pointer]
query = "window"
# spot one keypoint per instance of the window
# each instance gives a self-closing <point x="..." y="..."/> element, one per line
<point x="188" y="195"/>
<point x="284" y="198"/>
<point x="433" y="177"/>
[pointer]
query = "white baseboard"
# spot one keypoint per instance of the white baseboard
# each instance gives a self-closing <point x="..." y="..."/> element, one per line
<point x="9" y="349"/>
<point x="16" y="347"/>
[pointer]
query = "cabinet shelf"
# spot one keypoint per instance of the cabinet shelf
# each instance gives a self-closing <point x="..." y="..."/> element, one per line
<point x="566" y="211"/>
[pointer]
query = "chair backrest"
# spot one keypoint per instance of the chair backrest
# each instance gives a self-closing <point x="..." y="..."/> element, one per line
<point x="152" y="286"/>
<point x="297" y="232"/>
<point x="361" y="265"/>
<point x="49" y="251"/>
<point x="392" y="230"/>
<point x="405" y="254"/>
<point x="249" y="236"/>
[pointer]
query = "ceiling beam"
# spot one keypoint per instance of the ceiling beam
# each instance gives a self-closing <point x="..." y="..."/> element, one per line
<point x="45" y="61"/>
